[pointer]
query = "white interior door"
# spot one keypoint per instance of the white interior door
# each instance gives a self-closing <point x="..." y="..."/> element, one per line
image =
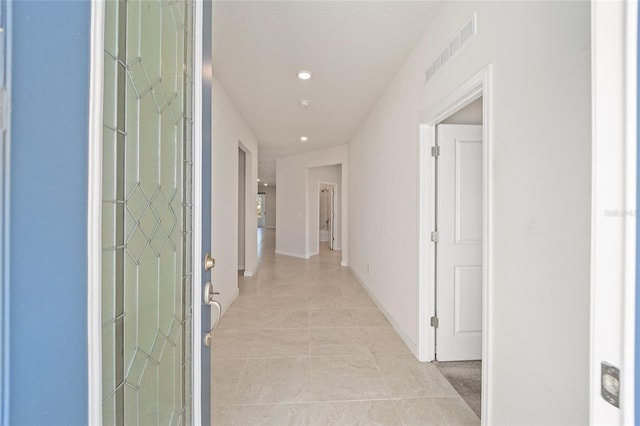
<point x="459" y="248"/>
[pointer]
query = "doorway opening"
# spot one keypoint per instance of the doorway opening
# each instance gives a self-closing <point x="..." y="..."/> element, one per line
<point x="242" y="210"/>
<point x="458" y="252"/>
<point x="454" y="264"/>
<point x="458" y="221"/>
<point x="262" y="206"/>
<point x="327" y="214"/>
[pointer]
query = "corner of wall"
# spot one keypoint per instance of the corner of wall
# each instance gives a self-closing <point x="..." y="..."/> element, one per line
<point x="249" y="272"/>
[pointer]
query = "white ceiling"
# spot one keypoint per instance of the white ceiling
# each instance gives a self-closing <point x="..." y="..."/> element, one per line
<point x="353" y="49"/>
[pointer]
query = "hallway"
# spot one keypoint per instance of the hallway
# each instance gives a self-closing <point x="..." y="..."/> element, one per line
<point x="304" y="344"/>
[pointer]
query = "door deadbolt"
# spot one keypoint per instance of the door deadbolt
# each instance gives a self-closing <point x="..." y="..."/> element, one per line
<point x="209" y="262"/>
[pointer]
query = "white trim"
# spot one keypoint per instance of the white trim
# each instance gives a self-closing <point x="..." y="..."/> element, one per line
<point x="94" y="219"/>
<point x="629" y="298"/>
<point x="197" y="218"/>
<point x="411" y="344"/>
<point x="613" y="204"/>
<point x="426" y="264"/>
<point x="478" y="85"/>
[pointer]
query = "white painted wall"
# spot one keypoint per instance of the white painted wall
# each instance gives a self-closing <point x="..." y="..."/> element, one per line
<point x="271" y="208"/>
<point x="228" y="132"/>
<point x="328" y="174"/>
<point x="540" y="131"/>
<point x="292" y="216"/>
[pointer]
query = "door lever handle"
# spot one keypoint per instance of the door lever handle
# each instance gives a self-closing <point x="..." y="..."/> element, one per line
<point x="209" y="294"/>
<point x="219" y="306"/>
<point x="209" y="335"/>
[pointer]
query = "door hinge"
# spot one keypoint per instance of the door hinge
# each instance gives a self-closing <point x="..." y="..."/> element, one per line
<point x="435" y="151"/>
<point x="434" y="322"/>
<point x="435" y="236"/>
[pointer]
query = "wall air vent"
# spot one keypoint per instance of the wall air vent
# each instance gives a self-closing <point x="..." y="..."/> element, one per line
<point x="461" y="38"/>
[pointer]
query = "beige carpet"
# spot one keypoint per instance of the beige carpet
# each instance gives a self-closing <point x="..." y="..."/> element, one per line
<point x="466" y="378"/>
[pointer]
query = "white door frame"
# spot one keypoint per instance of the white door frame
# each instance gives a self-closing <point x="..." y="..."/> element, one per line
<point x="94" y="222"/>
<point x="479" y="85"/>
<point x="94" y="216"/>
<point x="613" y="204"/>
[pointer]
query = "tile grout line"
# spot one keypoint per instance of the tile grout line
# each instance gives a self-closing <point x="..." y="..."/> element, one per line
<point x="244" y="370"/>
<point x="337" y="401"/>
<point x="350" y="304"/>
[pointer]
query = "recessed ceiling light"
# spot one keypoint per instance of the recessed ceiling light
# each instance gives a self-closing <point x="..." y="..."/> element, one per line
<point x="304" y="138"/>
<point x="258" y="179"/>
<point x="304" y="75"/>
<point x="265" y="184"/>
<point x="305" y="103"/>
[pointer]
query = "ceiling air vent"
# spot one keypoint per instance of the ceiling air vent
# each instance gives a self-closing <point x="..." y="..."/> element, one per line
<point x="455" y="44"/>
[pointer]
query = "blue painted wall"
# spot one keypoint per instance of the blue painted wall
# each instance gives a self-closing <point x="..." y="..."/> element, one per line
<point x="48" y="319"/>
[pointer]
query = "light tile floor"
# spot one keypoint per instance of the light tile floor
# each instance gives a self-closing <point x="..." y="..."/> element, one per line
<point x="303" y="344"/>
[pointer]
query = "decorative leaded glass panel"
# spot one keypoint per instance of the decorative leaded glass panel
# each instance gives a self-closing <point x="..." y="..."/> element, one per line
<point x="147" y="207"/>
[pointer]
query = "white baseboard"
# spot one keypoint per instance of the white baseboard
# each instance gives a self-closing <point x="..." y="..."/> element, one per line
<point x="315" y="253"/>
<point x="345" y="264"/>
<point x="249" y="272"/>
<point x="411" y="344"/>
<point x="286" y="253"/>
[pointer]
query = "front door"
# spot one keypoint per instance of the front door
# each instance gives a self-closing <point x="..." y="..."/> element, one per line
<point x="147" y="267"/>
<point x="459" y="247"/>
<point x="206" y="210"/>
